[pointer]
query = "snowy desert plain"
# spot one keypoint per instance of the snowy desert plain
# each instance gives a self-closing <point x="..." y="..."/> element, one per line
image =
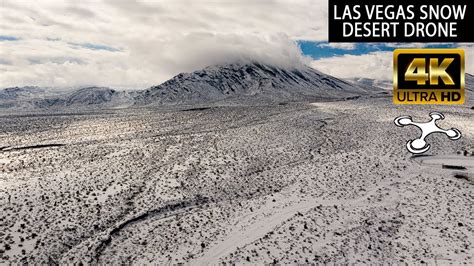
<point x="316" y="181"/>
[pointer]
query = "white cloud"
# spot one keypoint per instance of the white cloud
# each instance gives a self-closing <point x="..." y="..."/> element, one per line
<point x="337" y="45"/>
<point x="375" y="65"/>
<point x="142" y="43"/>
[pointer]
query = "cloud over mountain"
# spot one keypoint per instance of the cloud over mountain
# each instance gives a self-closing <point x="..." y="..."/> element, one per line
<point x="140" y="43"/>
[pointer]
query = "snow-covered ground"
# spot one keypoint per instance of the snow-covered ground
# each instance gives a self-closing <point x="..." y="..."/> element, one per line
<point x="293" y="183"/>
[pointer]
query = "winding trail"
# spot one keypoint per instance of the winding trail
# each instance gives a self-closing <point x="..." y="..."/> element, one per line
<point x="239" y="238"/>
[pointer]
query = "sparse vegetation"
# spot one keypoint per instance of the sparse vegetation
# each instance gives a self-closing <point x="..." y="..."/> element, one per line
<point x="288" y="183"/>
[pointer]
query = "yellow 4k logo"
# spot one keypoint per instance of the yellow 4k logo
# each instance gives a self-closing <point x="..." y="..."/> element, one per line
<point x="417" y="71"/>
<point x="428" y="76"/>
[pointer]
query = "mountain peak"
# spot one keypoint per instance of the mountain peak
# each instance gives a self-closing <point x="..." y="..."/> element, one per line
<point x="249" y="83"/>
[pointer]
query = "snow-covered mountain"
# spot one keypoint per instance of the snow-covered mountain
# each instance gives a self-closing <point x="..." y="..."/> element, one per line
<point x="251" y="83"/>
<point x="222" y="84"/>
<point x="15" y="93"/>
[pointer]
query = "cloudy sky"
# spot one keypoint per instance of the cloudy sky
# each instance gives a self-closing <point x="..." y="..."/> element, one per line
<point x="136" y="44"/>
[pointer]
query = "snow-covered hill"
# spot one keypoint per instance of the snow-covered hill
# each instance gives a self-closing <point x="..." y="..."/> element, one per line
<point x="91" y="96"/>
<point x="384" y="84"/>
<point x="15" y="93"/>
<point x="24" y="98"/>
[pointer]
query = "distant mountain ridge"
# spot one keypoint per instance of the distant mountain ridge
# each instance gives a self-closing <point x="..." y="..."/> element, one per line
<point x="222" y="84"/>
<point x="92" y="96"/>
<point x="384" y="84"/>
<point x="25" y="97"/>
<point x="17" y="92"/>
<point x="387" y="84"/>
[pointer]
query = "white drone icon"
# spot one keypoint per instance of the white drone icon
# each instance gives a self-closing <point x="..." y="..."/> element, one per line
<point x="419" y="145"/>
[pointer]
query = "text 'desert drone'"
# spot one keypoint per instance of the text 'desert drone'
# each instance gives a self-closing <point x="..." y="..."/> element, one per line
<point x="419" y="145"/>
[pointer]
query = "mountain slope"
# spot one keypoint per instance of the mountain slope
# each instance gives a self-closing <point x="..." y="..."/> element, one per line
<point x="24" y="98"/>
<point x="250" y="83"/>
<point x="91" y="95"/>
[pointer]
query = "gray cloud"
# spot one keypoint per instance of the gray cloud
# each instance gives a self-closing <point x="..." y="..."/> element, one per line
<point x="79" y="12"/>
<point x="142" y="43"/>
<point x="4" y="62"/>
<point x="56" y="60"/>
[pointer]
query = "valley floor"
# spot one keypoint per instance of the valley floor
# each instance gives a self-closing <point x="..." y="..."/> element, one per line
<point x="295" y="183"/>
